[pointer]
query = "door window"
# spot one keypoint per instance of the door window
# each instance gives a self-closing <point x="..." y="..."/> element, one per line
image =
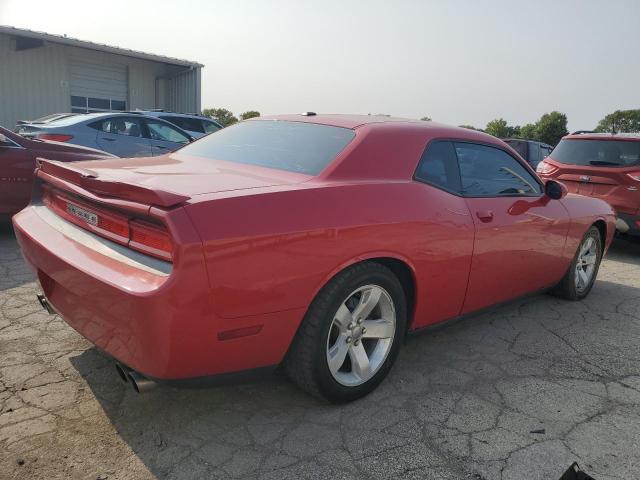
<point x="130" y="127"/>
<point x="491" y="172"/>
<point x="439" y="167"/>
<point x="166" y="133"/>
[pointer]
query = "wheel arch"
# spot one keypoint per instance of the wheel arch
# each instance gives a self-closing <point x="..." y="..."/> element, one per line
<point x="601" y="225"/>
<point x="399" y="265"/>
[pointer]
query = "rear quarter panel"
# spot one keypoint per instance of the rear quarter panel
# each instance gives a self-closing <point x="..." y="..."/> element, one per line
<point x="273" y="252"/>
<point x="584" y="212"/>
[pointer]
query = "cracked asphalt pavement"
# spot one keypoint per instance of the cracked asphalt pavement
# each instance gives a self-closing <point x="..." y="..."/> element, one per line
<point x="520" y="392"/>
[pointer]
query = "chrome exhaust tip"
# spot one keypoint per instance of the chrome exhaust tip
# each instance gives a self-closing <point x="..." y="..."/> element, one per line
<point x="122" y="373"/>
<point x="45" y="304"/>
<point x="621" y="225"/>
<point x="139" y="382"/>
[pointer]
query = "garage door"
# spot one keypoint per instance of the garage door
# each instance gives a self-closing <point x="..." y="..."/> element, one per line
<point x="97" y="86"/>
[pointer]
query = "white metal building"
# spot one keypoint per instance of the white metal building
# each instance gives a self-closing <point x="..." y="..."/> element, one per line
<point x="42" y="74"/>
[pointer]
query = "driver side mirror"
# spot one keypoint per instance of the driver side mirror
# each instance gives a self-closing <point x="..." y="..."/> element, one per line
<point x="555" y="190"/>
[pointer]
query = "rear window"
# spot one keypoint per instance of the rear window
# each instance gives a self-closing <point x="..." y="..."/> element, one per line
<point x="293" y="146"/>
<point x="186" y="123"/>
<point x="606" y="153"/>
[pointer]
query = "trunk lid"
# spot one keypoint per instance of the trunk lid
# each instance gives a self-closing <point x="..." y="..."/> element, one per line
<point x="166" y="180"/>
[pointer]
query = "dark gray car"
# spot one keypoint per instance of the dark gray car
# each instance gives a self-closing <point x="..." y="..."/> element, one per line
<point x="533" y="152"/>
<point x="121" y="134"/>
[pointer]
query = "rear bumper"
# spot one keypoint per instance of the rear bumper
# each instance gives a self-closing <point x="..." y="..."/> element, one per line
<point x="629" y="224"/>
<point x="160" y="323"/>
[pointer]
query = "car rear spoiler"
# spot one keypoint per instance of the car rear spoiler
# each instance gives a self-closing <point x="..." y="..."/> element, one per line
<point x="90" y="181"/>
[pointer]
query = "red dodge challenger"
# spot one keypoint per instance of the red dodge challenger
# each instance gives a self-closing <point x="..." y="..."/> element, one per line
<point x="312" y="241"/>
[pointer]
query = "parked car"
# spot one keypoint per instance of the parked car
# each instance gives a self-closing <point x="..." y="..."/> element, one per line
<point x="313" y="241"/>
<point x="122" y="134"/>
<point x="18" y="162"/>
<point x="533" y="152"/>
<point x="195" y="125"/>
<point x="605" y="166"/>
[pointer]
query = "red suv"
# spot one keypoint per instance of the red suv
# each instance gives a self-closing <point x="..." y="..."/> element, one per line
<point x="606" y="166"/>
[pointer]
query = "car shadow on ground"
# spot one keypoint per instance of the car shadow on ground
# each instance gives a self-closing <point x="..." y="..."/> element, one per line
<point x="14" y="272"/>
<point x="471" y="397"/>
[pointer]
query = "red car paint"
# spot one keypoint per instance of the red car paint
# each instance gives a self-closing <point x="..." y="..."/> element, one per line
<point x="18" y="162"/>
<point x="617" y="185"/>
<point x="254" y="245"/>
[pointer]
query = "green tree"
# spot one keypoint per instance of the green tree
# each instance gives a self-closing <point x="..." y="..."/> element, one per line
<point x="528" y="132"/>
<point x="222" y="115"/>
<point x="620" y="121"/>
<point x="249" y="114"/>
<point x="551" y="127"/>
<point x="426" y="119"/>
<point x="499" y="128"/>
<point x="471" y="127"/>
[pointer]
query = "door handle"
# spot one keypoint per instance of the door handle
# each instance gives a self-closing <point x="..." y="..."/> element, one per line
<point x="484" y="215"/>
<point x="109" y="139"/>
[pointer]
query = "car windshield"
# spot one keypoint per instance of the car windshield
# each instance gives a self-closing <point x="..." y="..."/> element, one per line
<point x="606" y="153"/>
<point x="293" y="146"/>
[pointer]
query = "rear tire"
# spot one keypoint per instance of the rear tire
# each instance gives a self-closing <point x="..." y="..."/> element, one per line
<point x="579" y="279"/>
<point x="350" y="335"/>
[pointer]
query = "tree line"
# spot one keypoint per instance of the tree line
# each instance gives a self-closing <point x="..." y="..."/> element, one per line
<point x="549" y="128"/>
<point x="552" y="126"/>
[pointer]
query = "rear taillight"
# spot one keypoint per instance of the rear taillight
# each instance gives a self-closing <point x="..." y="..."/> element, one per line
<point x="150" y="239"/>
<point x="54" y="137"/>
<point x="545" y="168"/>
<point x="139" y="235"/>
<point x="635" y="176"/>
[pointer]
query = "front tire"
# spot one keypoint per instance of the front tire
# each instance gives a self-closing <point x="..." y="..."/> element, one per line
<point x="351" y="334"/>
<point x="579" y="279"/>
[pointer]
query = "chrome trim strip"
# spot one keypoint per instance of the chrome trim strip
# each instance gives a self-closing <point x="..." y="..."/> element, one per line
<point x="102" y="245"/>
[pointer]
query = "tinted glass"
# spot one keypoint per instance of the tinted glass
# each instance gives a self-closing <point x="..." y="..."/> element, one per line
<point x="294" y="146"/>
<point x="119" y="126"/>
<point x="78" y="101"/>
<point x="100" y="103"/>
<point x="606" y="153"/>
<point x="191" y="124"/>
<point x="491" y="172"/>
<point x="166" y="133"/>
<point x="118" y="105"/>
<point x="439" y="166"/>
<point x="210" y="127"/>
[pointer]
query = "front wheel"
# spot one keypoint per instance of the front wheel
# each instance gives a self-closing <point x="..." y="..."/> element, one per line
<point x="579" y="279"/>
<point x="351" y="334"/>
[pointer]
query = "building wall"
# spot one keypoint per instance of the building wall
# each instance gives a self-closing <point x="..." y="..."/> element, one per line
<point x="35" y="82"/>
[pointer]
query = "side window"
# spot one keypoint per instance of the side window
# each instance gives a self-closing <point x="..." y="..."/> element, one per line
<point x="186" y="123"/>
<point x="438" y="166"/>
<point x="166" y="133"/>
<point x="491" y="172"/>
<point x="210" y="127"/>
<point x="129" y="127"/>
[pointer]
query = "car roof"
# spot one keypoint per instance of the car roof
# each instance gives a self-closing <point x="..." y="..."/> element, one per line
<point x="339" y="120"/>
<point x="629" y="137"/>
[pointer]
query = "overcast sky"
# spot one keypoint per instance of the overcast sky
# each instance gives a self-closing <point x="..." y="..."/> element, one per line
<point x="457" y="61"/>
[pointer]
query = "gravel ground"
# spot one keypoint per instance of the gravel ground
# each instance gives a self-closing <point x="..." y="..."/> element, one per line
<point x="520" y="392"/>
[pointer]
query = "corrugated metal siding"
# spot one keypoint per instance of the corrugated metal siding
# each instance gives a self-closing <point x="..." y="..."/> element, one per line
<point x="184" y="92"/>
<point x="33" y="82"/>
<point x="36" y="82"/>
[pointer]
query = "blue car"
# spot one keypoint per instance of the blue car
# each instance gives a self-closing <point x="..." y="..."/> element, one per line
<point x="121" y="134"/>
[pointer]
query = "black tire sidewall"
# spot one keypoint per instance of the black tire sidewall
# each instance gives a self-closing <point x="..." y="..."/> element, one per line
<point x="595" y="234"/>
<point x="328" y="385"/>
